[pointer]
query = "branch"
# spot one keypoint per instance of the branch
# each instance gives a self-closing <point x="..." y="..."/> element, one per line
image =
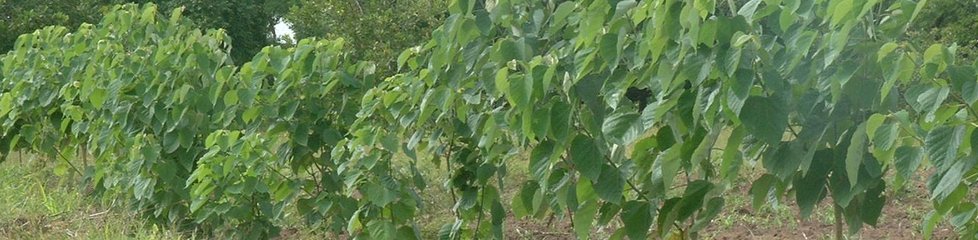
<point x="66" y="160"/>
<point x="641" y="194"/>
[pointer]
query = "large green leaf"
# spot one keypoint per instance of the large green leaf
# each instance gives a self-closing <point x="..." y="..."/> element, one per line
<point x="610" y="185"/>
<point x="583" y="218"/>
<point x="811" y="187"/>
<point x="622" y="127"/>
<point x="692" y="199"/>
<point x="942" y="145"/>
<point x="586" y="156"/>
<point x="872" y="204"/>
<point x="540" y="159"/>
<point x="765" y="118"/>
<point x="907" y="160"/>
<point x="763" y="189"/>
<point x="855" y="153"/>
<point x="949" y="181"/>
<point x="637" y="219"/>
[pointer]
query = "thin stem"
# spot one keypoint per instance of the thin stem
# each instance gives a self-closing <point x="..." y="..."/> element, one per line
<point x="641" y="194"/>
<point x="66" y="161"/>
<point x="84" y="154"/>
<point x="966" y="104"/>
<point x="276" y="171"/>
<point x="838" y="223"/>
<point x="793" y="132"/>
<point x="448" y="164"/>
<point x="478" y="223"/>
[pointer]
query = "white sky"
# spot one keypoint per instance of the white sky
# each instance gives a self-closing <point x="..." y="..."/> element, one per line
<point x="282" y="29"/>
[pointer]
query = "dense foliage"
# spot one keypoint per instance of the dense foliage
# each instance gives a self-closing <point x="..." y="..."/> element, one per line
<point x="377" y="30"/>
<point x="827" y="95"/>
<point x="249" y="23"/>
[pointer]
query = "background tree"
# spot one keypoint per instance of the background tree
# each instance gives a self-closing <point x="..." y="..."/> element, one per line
<point x="24" y="16"/>
<point x="377" y="30"/>
<point x="947" y="22"/>
<point x="249" y="23"/>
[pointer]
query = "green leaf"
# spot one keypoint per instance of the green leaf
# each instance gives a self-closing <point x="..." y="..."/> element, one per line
<point x="6" y="104"/>
<point x="926" y="98"/>
<point x="786" y="19"/>
<point x="540" y="159"/>
<point x="379" y="195"/>
<point x="610" y="185"/>
<point x="586" y="157"/>
<point x="522" y="92"/>
<point x="874" y="123"/>
<point x="749" y="9"/>
<point x="949" y="181"/>
<point x="231" y="98"/>
<point x="765" y="118"/>
<point x="855" y="152"/>
<point x="907" y="160"/>
<point x="762" y="189"/>
<point x="667" y="216"/>
<point x="250" y="115"/>
<point x="708" y="32"/>
<point x="885" y="50"/>
<point x="885" y="136"/>
<point x="541" y="122"/>
<point x="705" y="217"/>
<point x="934" y="53"/>
<point x="841" y="11"/>
<point x="502" y="81"/>
<point x="583" y="218"/>
<point x="872" y="204"/>
<point x="930" y="221"/>
<point x="637" y="219"/>
<point x="622" y="128"/>
<point x="732" y="159"/>
<point x="942" y="145"/>
<point x="449" y="231"/>
<point x="811" y="186"/>
<point x="97" y="97"/>
<point x="560" y="120"/>
<point x="963" y="214"/>
<point x="584" y="191"/>
<point x="965" y="82"/>
<point x="381" y="229"/>
<point x="401" y="59"/>
<point x="506" y="50"/>
<point x="609" y="49"/>
<point x="903" y="69"/>
<point x="692" y="199"/>
<point x="527" y="197"/>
